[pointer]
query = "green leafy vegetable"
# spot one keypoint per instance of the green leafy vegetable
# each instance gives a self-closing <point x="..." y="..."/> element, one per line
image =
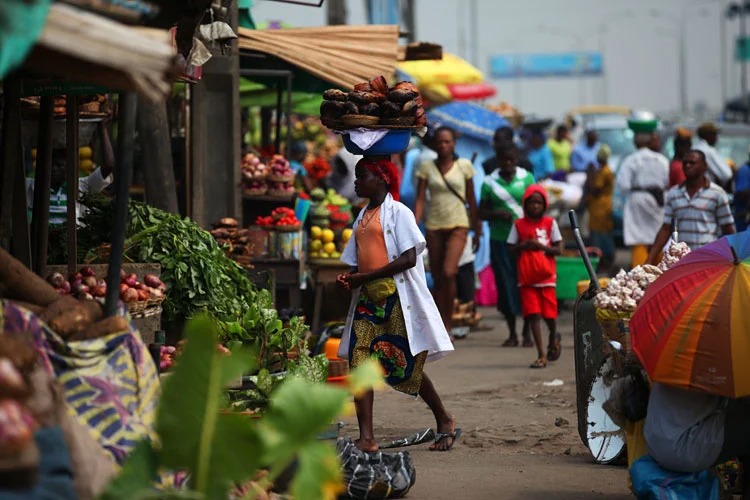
<point x="218" y="448"/>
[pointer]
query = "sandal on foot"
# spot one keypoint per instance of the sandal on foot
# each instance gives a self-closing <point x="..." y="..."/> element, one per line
<point x="511" y="342"/>
<point x="442" y="435"/>
<point x="539" y="363"/>
<point x="528" y="343"/>
<point x="555" y="349"/>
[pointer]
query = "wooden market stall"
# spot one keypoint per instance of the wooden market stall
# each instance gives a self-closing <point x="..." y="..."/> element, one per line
<point x="74" y="47"/>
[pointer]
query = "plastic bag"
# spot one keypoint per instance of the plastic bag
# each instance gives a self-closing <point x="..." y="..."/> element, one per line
<point x="653" y="482"/>
<point x="375" y="475"/>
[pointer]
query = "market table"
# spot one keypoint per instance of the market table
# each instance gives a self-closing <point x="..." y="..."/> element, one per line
<point x="322" y="272"/>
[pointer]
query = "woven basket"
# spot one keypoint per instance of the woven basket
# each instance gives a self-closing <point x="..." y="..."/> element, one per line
<point x="403" y="121"/>
<point x="617" y="330"/>
<point x="338" y="367"/>
<point x="359" y="120"/>
<point x="278" y="193"/>
<point x="328" y="122"/>
<point x="280" y="178"/>
<point x="255" y="192"/>
<point x="287" y="229"/>
<point x="137" y="307"/>
<point x="90" y="107"/>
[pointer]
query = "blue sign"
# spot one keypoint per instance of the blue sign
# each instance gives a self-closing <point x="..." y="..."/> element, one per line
<point x="546" y="65"/>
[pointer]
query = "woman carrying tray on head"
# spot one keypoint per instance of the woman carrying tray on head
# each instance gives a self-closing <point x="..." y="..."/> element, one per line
<point x="392" y="316"/>
<point x="450" y="181"/>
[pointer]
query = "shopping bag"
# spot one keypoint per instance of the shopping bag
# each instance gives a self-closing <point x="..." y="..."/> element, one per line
<point x="534" y="268"/>
<point x="375" y="475"/>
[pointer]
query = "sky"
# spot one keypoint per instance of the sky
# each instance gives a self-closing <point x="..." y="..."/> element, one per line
<point x="640" y="42"/>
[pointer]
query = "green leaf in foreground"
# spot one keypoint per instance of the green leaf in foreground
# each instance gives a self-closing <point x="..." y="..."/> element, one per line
<point x="194" y="435"/>
<point x="319" y="474"/>
<point x="137" y="474"/>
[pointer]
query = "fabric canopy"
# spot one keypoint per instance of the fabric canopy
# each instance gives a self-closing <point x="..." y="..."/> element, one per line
<point x="257" y="94"/>
<point x="86" y="47"/>
<point x="22" y="24"/>
<point x="340" y="55"/>
<point x="449" y="69"/>
<point x="447" y="79"/>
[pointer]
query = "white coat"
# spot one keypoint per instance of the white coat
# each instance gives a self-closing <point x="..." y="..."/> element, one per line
<point x="424" y="325"/>
<point x="643" y="217"/>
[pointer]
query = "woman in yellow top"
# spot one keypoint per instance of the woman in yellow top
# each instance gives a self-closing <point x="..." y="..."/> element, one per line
<point x="561" y="148"/>
<point x="450" y="181"/>
<point x="600" y="184"/>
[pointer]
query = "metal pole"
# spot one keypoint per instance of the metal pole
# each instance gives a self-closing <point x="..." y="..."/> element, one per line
<point x="684" y="104"/>
<point x="602" y="47"/>
<point x="474" y="31"/>
<point x="723" y="50"/>
<point x="123" y="177"/>
<point x="289" y="78"/>
<point x="277" y="138"/>
<point x="409" y="23"/>
<point x="743" y="62"/>
<point x="42" y="183"/>
<point x="71" y="173"/>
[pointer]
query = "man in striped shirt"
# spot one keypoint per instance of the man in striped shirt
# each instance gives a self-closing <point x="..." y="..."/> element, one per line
<point x="699" y="208"/>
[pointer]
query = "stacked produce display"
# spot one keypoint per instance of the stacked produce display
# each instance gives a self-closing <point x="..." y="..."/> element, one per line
<point x="137" y="296"/>
<point x="372" y="104"/>
<point x="235" y="240"/>
<point x="275" y="177"/>
<point x="617" y="302"/>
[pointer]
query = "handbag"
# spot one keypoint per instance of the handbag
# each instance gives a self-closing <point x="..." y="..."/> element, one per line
<point x="450" y="188"/>
<point x="380" y="289"/>
<point x="534" y="268"/>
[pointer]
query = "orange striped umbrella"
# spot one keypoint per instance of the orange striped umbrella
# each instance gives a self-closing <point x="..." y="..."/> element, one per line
<point x="692" y="328"/>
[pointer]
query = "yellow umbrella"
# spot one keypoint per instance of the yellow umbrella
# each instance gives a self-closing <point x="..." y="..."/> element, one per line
<point x="441" y="80"/>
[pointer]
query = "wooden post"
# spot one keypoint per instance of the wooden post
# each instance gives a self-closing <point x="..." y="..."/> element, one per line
<point x="42" y="182"/>
<point x="123" y="176"/>
<point x="156" y="145"/>
<point x="71" y="164"/>
<point x="12" y="166"/>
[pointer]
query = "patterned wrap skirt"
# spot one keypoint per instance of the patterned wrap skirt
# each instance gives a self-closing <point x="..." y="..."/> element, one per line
<point x="379" y="331"/>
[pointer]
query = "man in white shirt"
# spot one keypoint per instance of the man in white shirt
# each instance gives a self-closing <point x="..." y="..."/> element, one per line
<point x="642" y="178"/>
<point x="719" y="170"/>
<point x="95" y="182"/>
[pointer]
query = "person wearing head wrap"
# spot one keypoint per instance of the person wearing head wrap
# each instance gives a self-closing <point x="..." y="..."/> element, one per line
<point x="642" y="178"/>
<point x="600" y="185"/>
<point x="683" y="142"/>
<point x="392" y="315"/>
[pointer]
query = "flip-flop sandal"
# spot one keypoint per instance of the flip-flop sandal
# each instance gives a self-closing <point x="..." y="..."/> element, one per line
<point x="554" y="350"/>
<point x="511" y="342"/>
<point x="539" y="363"/>
<point x="440" y="435"/>
<point x="528" y="343"/>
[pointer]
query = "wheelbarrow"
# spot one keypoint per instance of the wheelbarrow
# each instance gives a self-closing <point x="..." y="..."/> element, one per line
<point x="594" y="369"/>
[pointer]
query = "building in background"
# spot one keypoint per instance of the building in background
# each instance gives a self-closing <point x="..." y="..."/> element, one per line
<point x="640" y="44"/>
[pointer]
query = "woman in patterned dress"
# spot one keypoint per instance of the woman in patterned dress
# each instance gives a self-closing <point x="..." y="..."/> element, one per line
<point x="392" y="317"/>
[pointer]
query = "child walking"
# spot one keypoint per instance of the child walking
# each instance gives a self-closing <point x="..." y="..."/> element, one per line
<point x="536" y="240"/>
<point x="392" y="316"/>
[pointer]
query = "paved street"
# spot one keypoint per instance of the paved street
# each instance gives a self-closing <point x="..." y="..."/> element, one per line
<point x="511" y="447"/>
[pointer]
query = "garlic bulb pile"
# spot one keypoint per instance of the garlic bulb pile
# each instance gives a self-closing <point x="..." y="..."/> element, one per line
<point x="625" y="290"/>
<point x="674" y="253"/>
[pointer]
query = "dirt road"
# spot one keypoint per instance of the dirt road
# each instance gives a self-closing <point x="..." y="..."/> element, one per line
<point x="511" y="447"/>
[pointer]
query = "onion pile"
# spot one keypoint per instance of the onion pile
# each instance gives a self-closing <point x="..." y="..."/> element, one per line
<point x="131" y="290"/>
<point x="625" y="290"/>
<point x="84" y="285"/>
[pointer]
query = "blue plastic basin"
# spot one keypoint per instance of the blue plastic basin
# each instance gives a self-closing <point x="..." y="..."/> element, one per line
<point x="395" y="141"/>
